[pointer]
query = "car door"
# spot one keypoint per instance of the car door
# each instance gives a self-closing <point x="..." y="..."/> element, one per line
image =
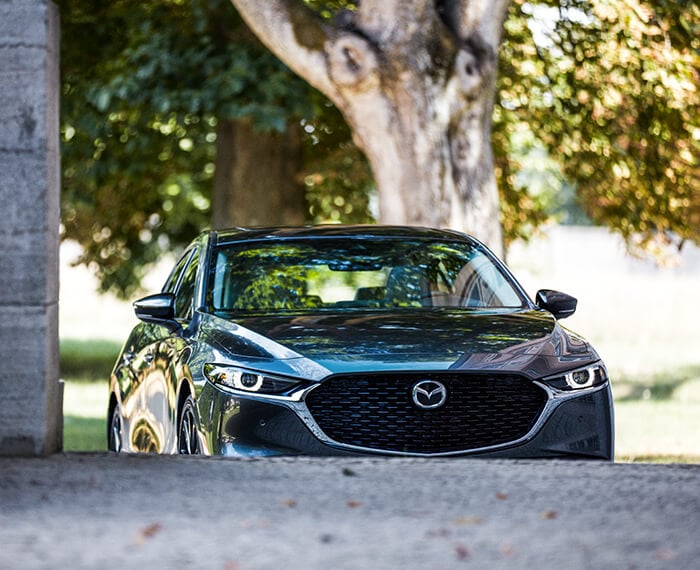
<point x="147" y="405"/>
<point x="144" y="428"/>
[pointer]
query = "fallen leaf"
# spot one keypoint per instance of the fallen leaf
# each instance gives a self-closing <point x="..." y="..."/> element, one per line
<point x="349" y="472"/>
<point x="151" y="530"/>
<point x="461" y="551"/>
<point x="148" y="532"/>
<point x="353" y="504"/>
<point x="469" y="520"/>
<point x="291" y="503"/>
<point x="549" y="515"/>
<point x="502" y="496"/>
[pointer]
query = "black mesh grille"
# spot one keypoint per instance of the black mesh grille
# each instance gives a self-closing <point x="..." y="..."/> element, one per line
<point x="377" y="411"/>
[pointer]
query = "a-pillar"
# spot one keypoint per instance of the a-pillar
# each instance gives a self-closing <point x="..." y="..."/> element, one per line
<point x="30" y="393"/>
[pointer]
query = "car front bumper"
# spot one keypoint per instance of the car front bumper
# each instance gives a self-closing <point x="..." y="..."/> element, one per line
<point x="572" y="424"/>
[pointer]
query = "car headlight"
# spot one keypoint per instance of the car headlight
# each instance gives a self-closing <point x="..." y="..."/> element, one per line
<point x="586" y="377"/>
<point x="248" y="380"/>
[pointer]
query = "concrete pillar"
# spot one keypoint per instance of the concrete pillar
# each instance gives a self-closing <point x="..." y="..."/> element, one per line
<point x="31" y="416"/>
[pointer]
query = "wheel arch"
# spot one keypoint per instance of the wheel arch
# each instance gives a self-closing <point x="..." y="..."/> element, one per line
<point x="113" y="403"/>
<point x="111" y="409"/>
<point x="183" y="392"/>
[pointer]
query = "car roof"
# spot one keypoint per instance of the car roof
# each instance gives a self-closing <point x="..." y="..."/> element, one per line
<point x="337" y="231"/>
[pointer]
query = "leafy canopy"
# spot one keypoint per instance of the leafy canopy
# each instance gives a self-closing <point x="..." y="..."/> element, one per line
<point x="596" y="97"/>
<point x="610" y="89"/>
<point x="143" y="87"/>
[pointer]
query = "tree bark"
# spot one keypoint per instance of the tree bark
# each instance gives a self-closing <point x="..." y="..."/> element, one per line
<point x="256" y="177"/>
<point x="415" y="80"/>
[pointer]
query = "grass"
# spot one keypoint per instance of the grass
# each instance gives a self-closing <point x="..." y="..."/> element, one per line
<point x="651" y="428"/>
<point x="657" y="416"/>
<point x="84" y="434"/>
<point x="84" y="416"/>
<point x="88" y="364"/>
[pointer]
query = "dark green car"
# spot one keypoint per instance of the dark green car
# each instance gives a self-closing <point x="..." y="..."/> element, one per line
<point x="355" y="340"/>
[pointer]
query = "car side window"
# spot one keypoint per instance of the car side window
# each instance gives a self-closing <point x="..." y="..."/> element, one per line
<point x="184" y="298"/>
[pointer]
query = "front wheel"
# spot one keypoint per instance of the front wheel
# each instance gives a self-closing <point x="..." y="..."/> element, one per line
<point x="114" y="432"/>
<point x="187" y="439"/>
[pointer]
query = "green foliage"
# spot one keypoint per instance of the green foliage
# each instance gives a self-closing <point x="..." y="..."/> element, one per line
<point x="196" y="58"/>
<point x="597" y="98"/>
<point x="610" y="89"/>
<point x="337" y="176"/>
<point x="143" y="87"/>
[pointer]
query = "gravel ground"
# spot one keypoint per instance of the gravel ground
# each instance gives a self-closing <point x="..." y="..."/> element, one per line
<point x="108" y="511"/>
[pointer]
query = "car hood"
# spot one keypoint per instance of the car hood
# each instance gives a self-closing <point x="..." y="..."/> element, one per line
<point x="528" y="342"/>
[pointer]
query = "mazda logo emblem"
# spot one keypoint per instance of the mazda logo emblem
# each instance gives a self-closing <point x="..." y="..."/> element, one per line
<point x="428" y="394"/>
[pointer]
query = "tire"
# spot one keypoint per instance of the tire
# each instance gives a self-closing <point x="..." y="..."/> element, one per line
<point x="114" y="430"/>
<point x="187" y="436"/>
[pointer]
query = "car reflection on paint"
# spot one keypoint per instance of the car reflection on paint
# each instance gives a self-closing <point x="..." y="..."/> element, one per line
<point x="355" y="340"/>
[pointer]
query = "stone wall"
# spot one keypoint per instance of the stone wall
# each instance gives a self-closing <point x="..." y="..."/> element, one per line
<point x="30" y="392"/>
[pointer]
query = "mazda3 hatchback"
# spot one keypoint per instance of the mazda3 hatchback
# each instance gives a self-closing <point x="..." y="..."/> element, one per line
<point x="355" y="340"/>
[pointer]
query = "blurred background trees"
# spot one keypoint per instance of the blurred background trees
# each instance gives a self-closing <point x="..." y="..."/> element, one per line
<point x="608" y="91"/>
<point x="175" y="118"/>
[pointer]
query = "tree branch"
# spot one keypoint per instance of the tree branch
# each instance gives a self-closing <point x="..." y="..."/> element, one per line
<point x="294" y="34"/>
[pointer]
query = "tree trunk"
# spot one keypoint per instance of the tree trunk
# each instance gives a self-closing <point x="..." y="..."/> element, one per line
<point x="256" y="177"/>
<point x="415" y="80"/>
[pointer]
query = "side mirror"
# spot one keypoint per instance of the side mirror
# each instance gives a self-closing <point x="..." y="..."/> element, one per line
<point x="157" y="309"/>
<point x="559" y="304"/>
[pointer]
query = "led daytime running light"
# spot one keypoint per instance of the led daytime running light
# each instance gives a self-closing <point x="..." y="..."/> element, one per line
<point x="247" y="380"/>
<point x="579" y="379"/>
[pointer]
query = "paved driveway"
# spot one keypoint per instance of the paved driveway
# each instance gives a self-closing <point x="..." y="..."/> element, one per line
<point x="107" y="511"/>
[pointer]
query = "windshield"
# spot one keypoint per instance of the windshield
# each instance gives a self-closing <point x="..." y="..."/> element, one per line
<point x="352" y="273"/>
